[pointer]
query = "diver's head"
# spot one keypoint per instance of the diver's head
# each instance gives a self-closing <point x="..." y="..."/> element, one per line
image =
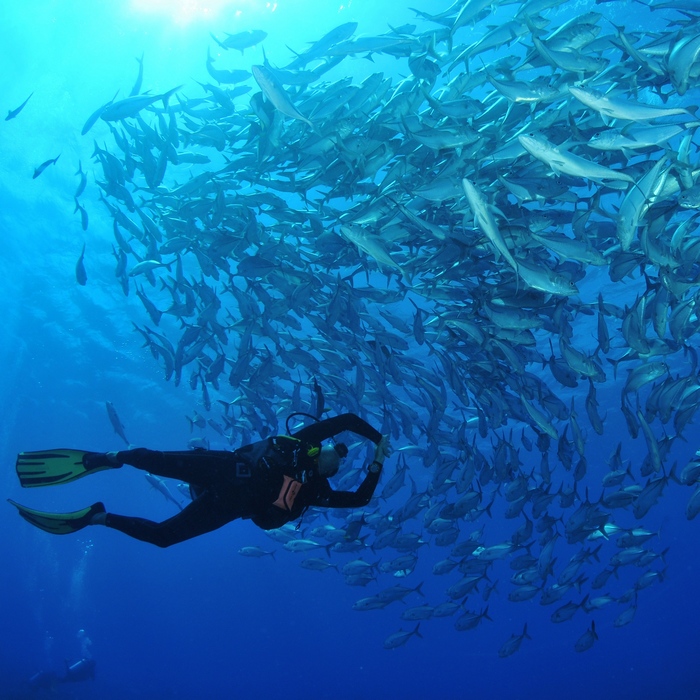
<point x="329" y="459"/>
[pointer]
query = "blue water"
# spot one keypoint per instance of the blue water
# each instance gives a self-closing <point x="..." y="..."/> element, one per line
<point x="198" y="620"/>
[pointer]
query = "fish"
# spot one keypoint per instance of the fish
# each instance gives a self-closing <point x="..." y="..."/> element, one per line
<point x="241" y="40"/>
<point x="419" y="612"/>
<point x="398" y="592"/>
<point x="229" y="77"/>
<point x="92" y="119"/>
<point x="159" y="485"/>
<point x="321" y="46"/>
<point x="82" y="184"/>
<point x="153" y="312"/>
<point x="693" y="507"/>
<point x="400" y="638"/>
<point x="690" y="198"/>
<point x="513" y="644"/>
<point x="587" y="639"/>
<point x="40" y="169"/>
<point x="643" y="374"/>
<point x="546" y="280"/>
<point x="652" y="444"/>
<point x="136" y="89"/>
<point x="634" y="204"/>
<point x="12" y="113"/>
<point x="283" y="534"/>
<point x="371" y="603"/>
<point x="471" y="620"/>
<point x="352" y="531"/>
<point x="275" y="93"/>
<point x="625" y="617"/>
<point x="80" y="274"/>
<point x="184" y="489"/>
<point x="372" y="245"/>
<point x="146" y="266"/>
<point x="356" y="566"/>
<point x="131" y="106"/>
<point x="626" y="109"/>
<point x="303" y="545"/>
<point x="680" y="60"/>
<point x="486" y="222"/>
<point x="116" y="422"/>
<point x="573" y="61"/>
<point x="315" y="564"/>
<point x="567" y="611"/>
<point x="84" y="220"/>
<point x="691" y="472"/>
<point x="563" y="162"/>
<point x="255" y="552"/>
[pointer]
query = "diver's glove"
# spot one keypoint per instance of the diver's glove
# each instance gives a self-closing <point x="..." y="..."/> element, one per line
<point x="382" y="450"/>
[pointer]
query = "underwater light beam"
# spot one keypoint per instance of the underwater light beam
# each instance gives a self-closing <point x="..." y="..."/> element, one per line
<point x="188" y="11"/>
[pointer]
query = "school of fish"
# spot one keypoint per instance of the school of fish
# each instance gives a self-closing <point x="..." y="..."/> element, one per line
<point x="526" y="187"/>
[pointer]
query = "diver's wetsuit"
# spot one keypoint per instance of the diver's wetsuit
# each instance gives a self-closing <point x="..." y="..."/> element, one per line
<point x="271" y="482"/>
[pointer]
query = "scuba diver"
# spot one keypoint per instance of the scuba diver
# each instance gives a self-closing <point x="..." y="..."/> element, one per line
<point x="270" y="482"/>
<point x="81" y="670"/>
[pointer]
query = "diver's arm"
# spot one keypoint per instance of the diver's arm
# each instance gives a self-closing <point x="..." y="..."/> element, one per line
<point x="351" y="499"/>
<point x="364" y="493"/>
<point x="324" y="429"/>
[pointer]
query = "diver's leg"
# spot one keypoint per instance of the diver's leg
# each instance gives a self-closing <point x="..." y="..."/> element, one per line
<point x="201" y="467"/>
<point x="208" y="512"/>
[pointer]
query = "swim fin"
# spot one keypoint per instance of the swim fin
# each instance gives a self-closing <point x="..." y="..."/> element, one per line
<point x="59" y="466"/>
<point x="59" y="523"/>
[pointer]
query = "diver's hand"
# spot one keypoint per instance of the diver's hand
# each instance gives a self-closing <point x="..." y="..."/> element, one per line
<point x="382" y="450"/>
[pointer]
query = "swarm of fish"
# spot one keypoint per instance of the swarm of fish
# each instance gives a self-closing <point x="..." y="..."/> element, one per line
<point x="430" y="250"/>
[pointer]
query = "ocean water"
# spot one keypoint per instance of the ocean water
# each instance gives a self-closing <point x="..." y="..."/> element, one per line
<point x="198" y="620"/>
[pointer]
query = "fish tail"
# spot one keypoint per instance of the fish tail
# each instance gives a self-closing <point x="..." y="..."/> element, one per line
<point x="217" y="41"/>
<point x="166" y="96"/>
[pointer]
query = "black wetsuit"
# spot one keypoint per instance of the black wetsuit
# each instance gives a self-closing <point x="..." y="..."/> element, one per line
<point x="271" y="482"/>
